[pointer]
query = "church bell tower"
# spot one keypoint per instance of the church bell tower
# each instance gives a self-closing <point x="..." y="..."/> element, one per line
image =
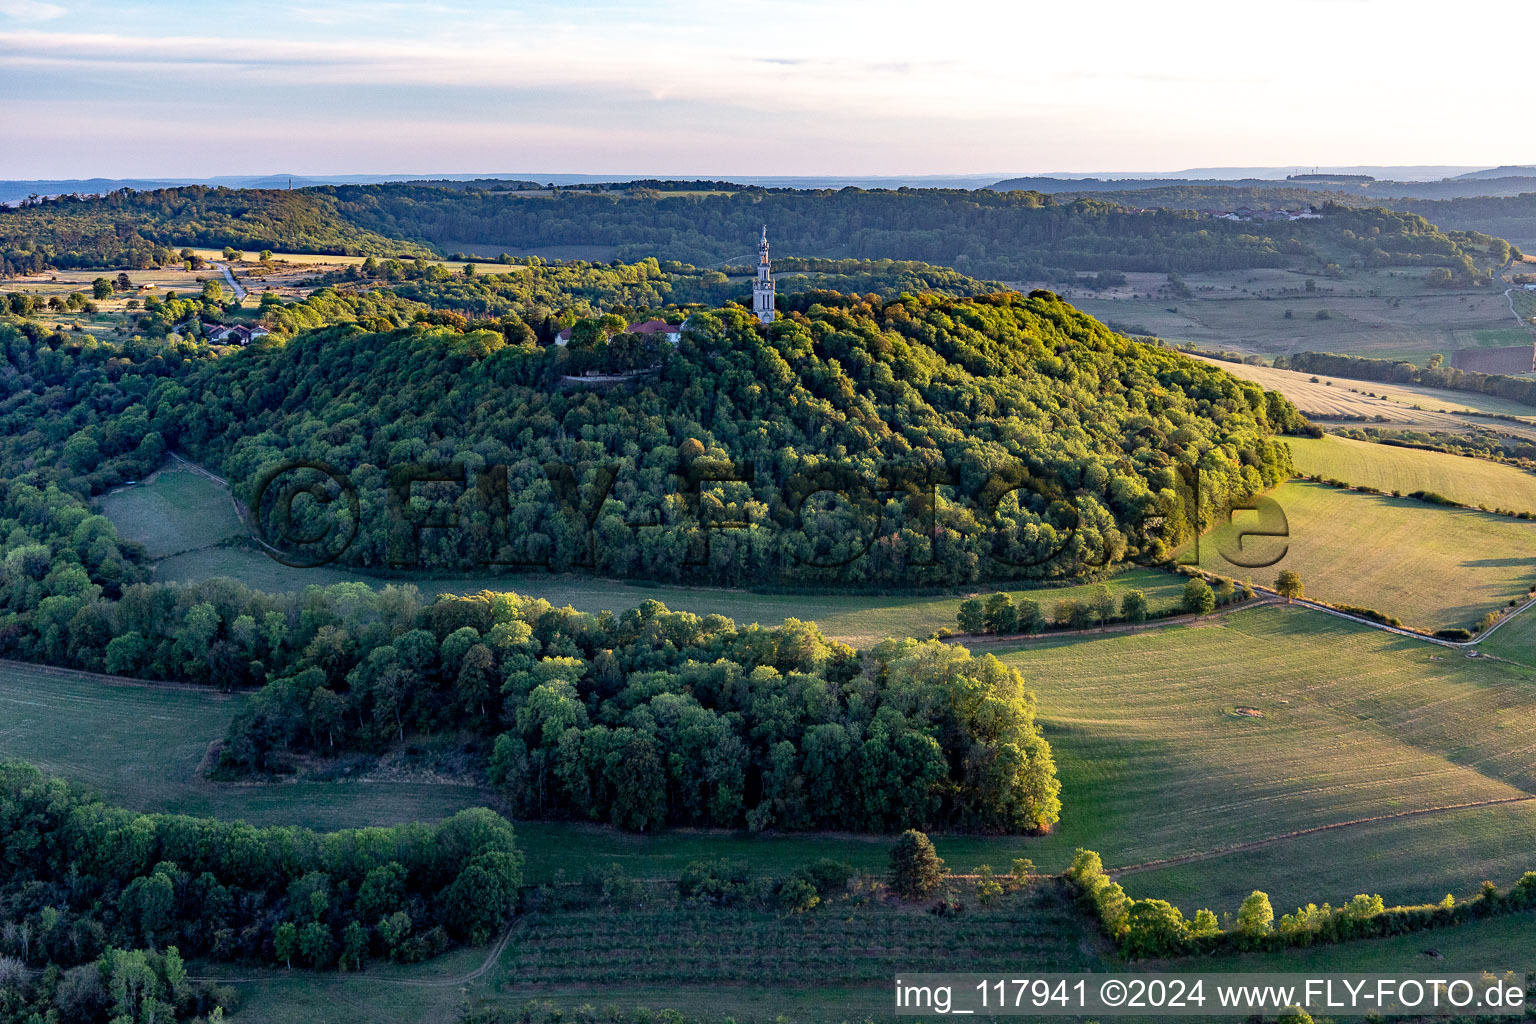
<point x="762" y="288"/>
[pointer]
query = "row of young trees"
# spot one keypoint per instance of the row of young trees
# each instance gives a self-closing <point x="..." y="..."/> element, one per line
<point x="1001" y="613"/>
<point x="1154" y="928"/>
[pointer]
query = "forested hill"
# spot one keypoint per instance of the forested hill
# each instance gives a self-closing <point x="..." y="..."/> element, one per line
<point x="1511" y="217"/>
<point x="1057" y="442"/>
<point x="144" y="229"/>
<point x="1011" y="236"/>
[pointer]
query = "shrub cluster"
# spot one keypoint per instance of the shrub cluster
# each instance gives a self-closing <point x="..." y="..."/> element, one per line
<point x="723" y="883"/>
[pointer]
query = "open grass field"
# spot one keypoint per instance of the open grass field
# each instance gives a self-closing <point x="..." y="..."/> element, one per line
<point x="1390" y="468"/>
<point x="1515" y="640"/>
<point x="321" y="261"/>
<point x="1157" y="759"/>
<point x="172" y="511"/>
<point x="1496" y="945"/>
<point x="1403" y="860"/>
<point x="137" y="743"/>
<point x="1430" y="566"/>
<point x="140" y="745"/>
<point x="1386" y="313"/>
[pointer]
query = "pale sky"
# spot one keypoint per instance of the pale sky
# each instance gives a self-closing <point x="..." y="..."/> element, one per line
<point x="703" y="88"/>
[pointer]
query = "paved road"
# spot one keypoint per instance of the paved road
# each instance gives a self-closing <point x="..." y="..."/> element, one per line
<point x="229" y="275"/>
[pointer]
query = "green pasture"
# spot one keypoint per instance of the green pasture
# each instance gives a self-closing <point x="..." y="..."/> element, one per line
<point x="1271" y="720"/>
<point x="1429" y="565"/>
<point x="173" y="511"/>
<point x="140" y="745"/>
<point x="1477" y="482"/>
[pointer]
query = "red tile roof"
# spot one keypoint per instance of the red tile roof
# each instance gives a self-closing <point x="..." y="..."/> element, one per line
<point x="655" y="327"/>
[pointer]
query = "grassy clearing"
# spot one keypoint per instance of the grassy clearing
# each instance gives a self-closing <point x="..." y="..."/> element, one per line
<point x="322" y="261"/>
<point x="1428" y="565"/>
<point x="1515" y="641"/>
<point x="140" y="746"/>
<point x="548" y="846"/>
<point x="1390" y="468"/>
<point x="1156" y="762"/>
<point x="172" y="511"/>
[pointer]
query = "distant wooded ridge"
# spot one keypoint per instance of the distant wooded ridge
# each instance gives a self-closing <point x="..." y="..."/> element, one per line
<point x="1513" y="181"/>
<point x="1008" y="236"/>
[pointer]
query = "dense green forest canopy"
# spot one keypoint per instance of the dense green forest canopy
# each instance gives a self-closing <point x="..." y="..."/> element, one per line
<point x="995" y="437"/>
<point x="559" y="292"/>
<point x="1014" y="235"/>
<point x="655" y="717"/>
<point x="1511" y="217"/>
<point x="83" y="882"/>
<point x="146" y="229"/>
<point x="1355" y="189"/>
<point x="1475" y="223"/>
<point x="1009" y="235"/>
<point x="544" y="298"/>
<point x="583" y="715"/>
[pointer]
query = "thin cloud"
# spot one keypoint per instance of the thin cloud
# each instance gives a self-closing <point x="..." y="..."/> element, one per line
<point x="31" y="10"/>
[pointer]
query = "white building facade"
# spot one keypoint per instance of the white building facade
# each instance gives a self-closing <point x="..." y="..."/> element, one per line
<point x="762" y="288"/>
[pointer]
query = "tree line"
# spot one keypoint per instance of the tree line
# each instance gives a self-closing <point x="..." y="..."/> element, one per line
<point x="1400" y="371"/>
<point x="111" y="900"/>
<point x="138" y="230"/>
<point x="1155" y="928"/>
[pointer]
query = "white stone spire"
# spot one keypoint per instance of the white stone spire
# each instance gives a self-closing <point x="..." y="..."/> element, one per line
<point x="762" y="288"/>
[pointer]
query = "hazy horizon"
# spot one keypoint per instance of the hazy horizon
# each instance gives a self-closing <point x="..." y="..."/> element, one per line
<point x="800" y="89"/>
